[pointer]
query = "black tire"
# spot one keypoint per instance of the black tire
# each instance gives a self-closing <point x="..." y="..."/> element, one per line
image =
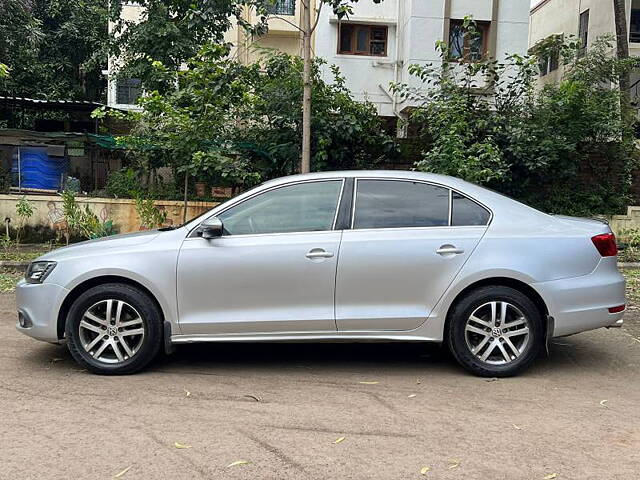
<point x="148" y="312"/>
<point x="456" y="336"/>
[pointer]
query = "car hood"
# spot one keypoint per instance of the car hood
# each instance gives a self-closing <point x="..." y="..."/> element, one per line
<point x="114" y="241"/>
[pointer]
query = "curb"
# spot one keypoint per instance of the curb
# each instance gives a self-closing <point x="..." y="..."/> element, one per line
<point x="8" y="264"/>
<point x="625" y="265"/>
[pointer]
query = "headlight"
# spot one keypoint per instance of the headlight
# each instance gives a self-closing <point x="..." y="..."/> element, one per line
<point x="38" y="271"/>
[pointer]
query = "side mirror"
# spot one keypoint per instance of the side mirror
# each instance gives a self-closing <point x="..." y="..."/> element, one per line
<point x="211" y="228"/>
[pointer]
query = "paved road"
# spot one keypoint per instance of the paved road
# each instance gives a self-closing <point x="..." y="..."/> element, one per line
<point x="60" y="422"/>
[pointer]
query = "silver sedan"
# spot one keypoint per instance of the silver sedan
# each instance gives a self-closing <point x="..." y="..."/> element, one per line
<point x="342" y="256"/>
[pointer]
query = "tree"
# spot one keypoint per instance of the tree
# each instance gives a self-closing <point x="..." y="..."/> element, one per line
<point x="171" y="32"/>
<point x="622" y="51"/>
<point x="239" y="124"/>
<point x="54" y="49"/>
<point x="341" y="8"/>
<point x="563" y="148"/>
<point x="347" y="134"/>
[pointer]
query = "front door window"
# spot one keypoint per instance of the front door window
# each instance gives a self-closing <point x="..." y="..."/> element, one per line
<point x="302" y="207"/>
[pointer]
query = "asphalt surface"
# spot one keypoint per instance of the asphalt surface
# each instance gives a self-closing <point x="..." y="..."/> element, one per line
<point x="282" y="408"/>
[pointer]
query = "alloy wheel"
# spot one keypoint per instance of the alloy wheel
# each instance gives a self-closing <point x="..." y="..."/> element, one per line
<point x="111" y="331"/>
<point x="497" y="332"/>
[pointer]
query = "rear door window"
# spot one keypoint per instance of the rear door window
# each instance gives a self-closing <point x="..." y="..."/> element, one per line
<point x="400" y="204"/>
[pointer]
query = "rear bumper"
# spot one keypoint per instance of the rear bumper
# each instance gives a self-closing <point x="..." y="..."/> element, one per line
<point x="582" y="303"/>
<point x="39" y="305"/>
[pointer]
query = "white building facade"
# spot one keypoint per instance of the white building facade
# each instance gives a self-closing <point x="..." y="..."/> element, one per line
<point x="375" y="46"/>
<point x="378" y="43"/>
<point x="586" y="20"/>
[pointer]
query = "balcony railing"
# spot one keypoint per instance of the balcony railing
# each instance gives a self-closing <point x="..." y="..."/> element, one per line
<point x="283" y="7"/>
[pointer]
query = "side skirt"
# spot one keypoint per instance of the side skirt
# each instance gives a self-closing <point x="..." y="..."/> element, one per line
<point x="294" y="337"/>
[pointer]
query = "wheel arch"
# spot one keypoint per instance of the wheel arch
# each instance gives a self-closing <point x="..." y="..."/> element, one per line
<point x="85" y="285"/>
<point x="519" y="285"/>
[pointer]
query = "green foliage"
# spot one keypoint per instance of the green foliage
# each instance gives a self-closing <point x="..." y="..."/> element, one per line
<point x="82" y="221"/>
<point x="170" y="32"/>
<point x="629" y="241"/>
<point x="563" y="148"/>
<point x="150" y="215"/>
<point x="53" y="49"/>
<point x="123" y="184"/>
<point x="24" y="211"/>
<point x="236" y="125"/>
<point x="345" y="133"/>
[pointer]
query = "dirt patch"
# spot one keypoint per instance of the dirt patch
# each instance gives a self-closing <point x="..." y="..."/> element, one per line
<point x="574" y="413"/>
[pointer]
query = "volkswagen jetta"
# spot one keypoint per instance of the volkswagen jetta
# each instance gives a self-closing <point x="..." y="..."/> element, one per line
<point x="343" y="256"/>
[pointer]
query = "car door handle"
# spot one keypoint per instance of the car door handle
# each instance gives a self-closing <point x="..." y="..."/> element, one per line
<point x="318" y="253"/>
<point x="449" y="250"/>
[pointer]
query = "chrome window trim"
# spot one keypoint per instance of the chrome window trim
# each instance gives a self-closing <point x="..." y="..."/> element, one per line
<point x="193" y="232"/>
<point x="435" y="184"/>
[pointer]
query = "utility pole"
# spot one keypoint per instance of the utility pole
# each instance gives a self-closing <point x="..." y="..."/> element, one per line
<point x="305" y="163"/>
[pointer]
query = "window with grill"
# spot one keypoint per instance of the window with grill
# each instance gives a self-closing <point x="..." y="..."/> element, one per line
<point x="128" y="90"/>
<point x="283" y="7"/>
<point x="468" y="43"/>
<point x="355" y="39"/>
<point x="583" y="32"/>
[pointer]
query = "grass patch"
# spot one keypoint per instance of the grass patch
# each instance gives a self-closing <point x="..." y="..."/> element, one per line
<point x="18" y="256"/>
<point x="8" y="281"/>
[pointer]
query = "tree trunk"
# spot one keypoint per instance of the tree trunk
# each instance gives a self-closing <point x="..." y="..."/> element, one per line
<point x="622" y="50"/>
<point x="305" y="164"/>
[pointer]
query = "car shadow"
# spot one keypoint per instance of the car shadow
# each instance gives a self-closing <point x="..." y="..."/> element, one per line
<point x="566" y="355"/>
<point x="322" y="355"/>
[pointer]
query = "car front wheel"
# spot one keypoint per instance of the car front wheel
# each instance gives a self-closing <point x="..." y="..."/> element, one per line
<point x="495" y="331"/>
<point x="114" y="329"/>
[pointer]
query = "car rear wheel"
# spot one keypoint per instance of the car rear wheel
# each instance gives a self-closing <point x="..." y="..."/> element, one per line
<point x="495" y="331"/>
<point x="114" y="329"/>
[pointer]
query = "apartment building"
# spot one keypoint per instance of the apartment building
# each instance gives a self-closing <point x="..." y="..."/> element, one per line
<point x="586" y="20"/>
<point x="376" y="45"/>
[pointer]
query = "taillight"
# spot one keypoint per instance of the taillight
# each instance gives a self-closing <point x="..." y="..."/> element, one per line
<point x="606" y="244"/>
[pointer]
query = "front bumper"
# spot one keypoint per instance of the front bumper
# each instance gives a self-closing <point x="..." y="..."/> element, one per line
<point x="582" y="303"/>
<point x="39" y="305"/>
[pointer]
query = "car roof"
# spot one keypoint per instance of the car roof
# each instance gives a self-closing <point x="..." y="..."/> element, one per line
<point x="401" y="174"/>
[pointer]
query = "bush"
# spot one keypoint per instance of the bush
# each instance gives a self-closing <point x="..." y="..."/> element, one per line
<point x="564" y="148"/>
<point x="82" y="221"/>
<point x="123" y="184"/>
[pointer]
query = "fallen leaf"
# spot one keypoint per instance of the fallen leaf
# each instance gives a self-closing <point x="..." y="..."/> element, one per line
<point x="517" y="427"/>
<point x="603" y="402"/>
<point x="339" y="440"/>
<point x="417" y="381"/>
<point x="255" y="397"/>
<point x="551" y="476"/>
<point x="413" y="395"/>
<point x="238" y="462"/>
<point x="187" y="393"/>
<point x="369" y="383"/>
<point x="181" y="445"/>
<point x="424" y="470"/>
<point x="493" y="379"/>
<point x="118" y="475"/>
<point x="454" y="464"/>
